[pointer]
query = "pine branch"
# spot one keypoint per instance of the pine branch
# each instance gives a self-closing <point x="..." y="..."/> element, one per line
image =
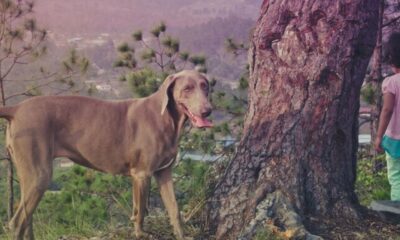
<point x="161" y="54"/>
<point x="47" y="84"/>
<point x="50" y="75"/>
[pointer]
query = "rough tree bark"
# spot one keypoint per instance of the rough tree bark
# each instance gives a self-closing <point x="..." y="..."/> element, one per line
<point x="297" y="156"/>
<point x="377" y="78"/>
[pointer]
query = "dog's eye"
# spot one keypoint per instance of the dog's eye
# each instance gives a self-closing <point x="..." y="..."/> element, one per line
<point x="188" y="88"/>
<point x="204" y="87"/>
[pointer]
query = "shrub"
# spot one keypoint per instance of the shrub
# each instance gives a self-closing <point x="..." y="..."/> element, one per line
<point x="371" y="185"/>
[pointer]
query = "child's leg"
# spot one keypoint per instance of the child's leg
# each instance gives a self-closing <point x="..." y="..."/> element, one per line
<point x="393" y="169"/>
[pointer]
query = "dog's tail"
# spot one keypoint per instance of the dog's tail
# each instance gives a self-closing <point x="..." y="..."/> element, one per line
<point x="7" y="112"/>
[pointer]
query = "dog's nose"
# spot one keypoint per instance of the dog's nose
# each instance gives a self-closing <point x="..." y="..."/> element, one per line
<point x="206" y="112"/>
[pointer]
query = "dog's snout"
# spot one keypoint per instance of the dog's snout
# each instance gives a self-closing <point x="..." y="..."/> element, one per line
<point x="206" y="112"/>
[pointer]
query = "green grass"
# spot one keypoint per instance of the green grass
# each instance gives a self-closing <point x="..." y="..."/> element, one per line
<point x="264" y="234"/>
<point x="96" y="204"/>
<point x="372" y="185"/>
<point x="91" y="203"/>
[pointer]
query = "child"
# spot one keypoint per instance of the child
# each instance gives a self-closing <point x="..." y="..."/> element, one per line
<point x="388" y="135"/>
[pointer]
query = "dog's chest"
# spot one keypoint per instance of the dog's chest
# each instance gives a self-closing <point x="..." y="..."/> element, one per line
<point x="168" y="161"/>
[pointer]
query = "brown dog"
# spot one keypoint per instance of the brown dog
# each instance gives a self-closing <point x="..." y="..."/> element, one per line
<point x="136" y="137"/>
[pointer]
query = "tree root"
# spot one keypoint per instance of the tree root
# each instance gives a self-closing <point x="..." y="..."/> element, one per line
<point x="277" y="213"/>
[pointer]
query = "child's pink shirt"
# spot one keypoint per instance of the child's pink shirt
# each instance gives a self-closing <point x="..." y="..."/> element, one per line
<point x="392" y="85"/>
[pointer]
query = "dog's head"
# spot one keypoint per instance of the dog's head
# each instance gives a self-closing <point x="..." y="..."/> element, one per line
<point x="189" y="91"/>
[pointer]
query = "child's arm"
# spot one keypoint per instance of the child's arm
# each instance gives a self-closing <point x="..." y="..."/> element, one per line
<point x="386" y="114"/>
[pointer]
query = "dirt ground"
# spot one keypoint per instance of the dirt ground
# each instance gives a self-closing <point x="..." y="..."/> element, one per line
<point x="372" y="226"/>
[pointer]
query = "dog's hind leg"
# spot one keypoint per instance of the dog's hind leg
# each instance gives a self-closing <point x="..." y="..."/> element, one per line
<point x="141" y="185"/>
<point x="34" y="168"/>
<point x="28" y="234"/>
<point x="32" y="191"/>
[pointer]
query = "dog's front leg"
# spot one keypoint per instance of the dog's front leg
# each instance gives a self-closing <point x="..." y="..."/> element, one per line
<point x="164" y="180"/>
<point x="141" y="185"/>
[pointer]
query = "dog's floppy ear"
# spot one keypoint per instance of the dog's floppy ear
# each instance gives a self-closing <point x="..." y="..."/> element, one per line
<point x="168" y="82"/>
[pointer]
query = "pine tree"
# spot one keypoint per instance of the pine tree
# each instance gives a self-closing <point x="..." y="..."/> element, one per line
<point x="148" y="60"/>
<point x="22" y="42"/>
<point x="19" y="38"/>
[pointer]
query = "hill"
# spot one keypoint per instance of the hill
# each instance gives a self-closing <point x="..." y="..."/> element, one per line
<point x="99" y="16"/>
<point x="96" y="27"/>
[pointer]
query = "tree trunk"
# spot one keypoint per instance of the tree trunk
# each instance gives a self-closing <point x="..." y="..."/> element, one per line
<point x="297" y="155"/>
<point x="377" y="81"/>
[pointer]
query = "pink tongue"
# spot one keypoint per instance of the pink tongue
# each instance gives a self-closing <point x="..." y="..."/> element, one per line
<point x="201" y="122"/>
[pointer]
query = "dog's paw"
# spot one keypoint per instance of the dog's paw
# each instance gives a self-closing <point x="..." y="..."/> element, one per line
<point x="143" y="235"/>
<point x="183" y="238"/>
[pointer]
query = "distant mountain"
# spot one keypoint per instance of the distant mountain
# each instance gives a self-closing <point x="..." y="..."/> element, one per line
<point x="116" y="17"/>
<point x="96" y="27"/>
<point x="209" y="39"/>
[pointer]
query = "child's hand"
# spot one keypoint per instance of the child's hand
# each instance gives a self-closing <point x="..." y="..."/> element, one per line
<point x="377" y="145"/>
